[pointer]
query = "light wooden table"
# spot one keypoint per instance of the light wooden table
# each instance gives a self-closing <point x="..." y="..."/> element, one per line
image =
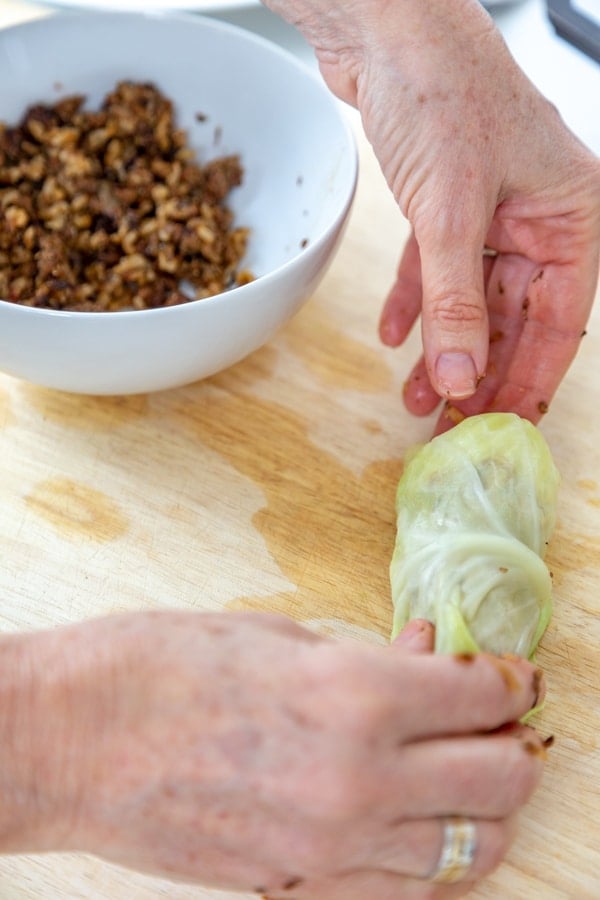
<point x="271" y="486"/>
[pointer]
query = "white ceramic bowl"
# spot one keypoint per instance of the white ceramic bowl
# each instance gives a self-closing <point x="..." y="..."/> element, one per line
<point x="300" y="164"/>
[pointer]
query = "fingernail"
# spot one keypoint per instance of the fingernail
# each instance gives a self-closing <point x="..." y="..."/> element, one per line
<point x="456" y="375"/>
<point x="539" y="750"/>
<point x="508" y="728"/>
<point x="538" y="686"/>
<point x="534" y="749"/>
<point x="464" y="657"/>
<point x="418" y="626"/>
<point x="418" y="633"/>
<point x="507" y="674"/>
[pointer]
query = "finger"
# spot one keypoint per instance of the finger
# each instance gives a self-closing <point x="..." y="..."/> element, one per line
<point x="536" y="330"/>
<point x="485" y="776"/>
<point x="365" y="883"/>
<point x="461" y="694"/>
<point x="507" y="287"/>
<point x="414" y="848"/>
<point x="403" y="303"/>
<point x="559" y="300"/>
<point x="454" y="315"/>
<point x="405" y="861"/>
<point x="419" y="396"/>
<point x="417" y="636"/>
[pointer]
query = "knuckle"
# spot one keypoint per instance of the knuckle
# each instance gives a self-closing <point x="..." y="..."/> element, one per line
<point x="455" y="310"/>
<point x="343" y="797"/>
<point x="367" y="717"/>
<point x="353" y="695"/>
<point x="316" y="851"/>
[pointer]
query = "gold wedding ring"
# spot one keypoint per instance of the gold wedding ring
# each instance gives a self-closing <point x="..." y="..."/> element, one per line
<point x="458" y="850"/>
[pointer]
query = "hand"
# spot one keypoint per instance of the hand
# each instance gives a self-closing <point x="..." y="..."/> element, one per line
<point x="245" y="752"/>
<point x="476" y="158"/>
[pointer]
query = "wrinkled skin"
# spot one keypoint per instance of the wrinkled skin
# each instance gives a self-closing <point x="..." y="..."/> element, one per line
<point x="476" y="158"/>
<point x="245" y="752"/>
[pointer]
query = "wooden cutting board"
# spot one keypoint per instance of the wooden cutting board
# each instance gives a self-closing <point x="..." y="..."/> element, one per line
<point x="271" y="487"/>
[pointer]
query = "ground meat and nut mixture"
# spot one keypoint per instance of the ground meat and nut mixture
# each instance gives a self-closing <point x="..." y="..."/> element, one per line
<point x="109" y="210"/>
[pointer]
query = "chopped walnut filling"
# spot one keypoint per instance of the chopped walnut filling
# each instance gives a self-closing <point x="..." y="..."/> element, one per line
<point x="109" y="210"/>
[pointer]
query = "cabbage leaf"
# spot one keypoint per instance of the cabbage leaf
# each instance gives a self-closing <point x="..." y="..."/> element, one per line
<point x="476" y="508"/>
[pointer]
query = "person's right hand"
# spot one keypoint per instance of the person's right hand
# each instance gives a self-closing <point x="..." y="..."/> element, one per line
<point x="245" y="752"/>
<point x="476" y="157"/>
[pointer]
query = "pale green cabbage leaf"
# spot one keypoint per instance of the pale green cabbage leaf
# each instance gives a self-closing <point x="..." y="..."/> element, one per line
<point x="476" y="508"/>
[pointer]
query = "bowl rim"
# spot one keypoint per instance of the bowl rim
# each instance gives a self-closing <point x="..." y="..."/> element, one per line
<point x="199" y="20"/>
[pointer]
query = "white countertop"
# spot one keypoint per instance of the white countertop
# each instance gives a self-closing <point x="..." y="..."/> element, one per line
<point x="565" y="75"/>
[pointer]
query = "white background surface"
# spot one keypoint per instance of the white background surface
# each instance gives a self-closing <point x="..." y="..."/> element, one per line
<point x="569" y="78"/>
<point x="591" y="8"/>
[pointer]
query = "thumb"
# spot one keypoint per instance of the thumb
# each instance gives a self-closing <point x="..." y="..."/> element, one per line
<point x="454" y="322"/>
<point x="417" y="636"/>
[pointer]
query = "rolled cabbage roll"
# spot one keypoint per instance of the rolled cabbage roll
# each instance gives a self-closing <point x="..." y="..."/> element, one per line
<point x="476" y="508"/>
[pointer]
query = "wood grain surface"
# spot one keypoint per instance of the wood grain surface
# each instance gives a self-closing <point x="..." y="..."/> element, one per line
<point x="271" y="487"/>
